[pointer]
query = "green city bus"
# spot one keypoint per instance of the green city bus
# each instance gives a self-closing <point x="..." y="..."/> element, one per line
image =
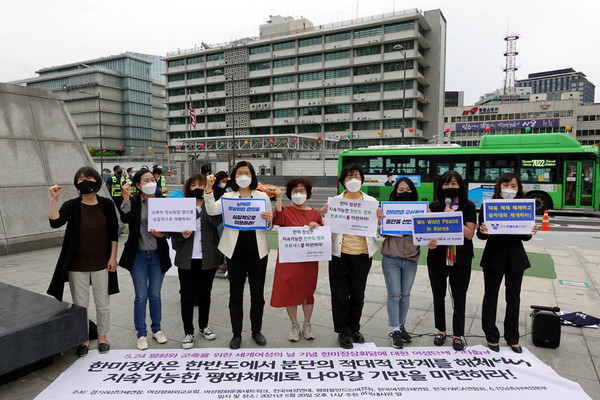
<point x="555" y="168"/>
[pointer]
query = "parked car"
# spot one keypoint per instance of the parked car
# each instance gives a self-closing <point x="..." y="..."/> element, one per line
<point x="268" y="189"/>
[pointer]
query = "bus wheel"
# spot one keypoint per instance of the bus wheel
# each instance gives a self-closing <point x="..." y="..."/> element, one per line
<point x="543" y="202"/>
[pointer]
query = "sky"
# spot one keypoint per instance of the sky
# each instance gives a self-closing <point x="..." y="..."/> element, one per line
<point x="554" y="34"/>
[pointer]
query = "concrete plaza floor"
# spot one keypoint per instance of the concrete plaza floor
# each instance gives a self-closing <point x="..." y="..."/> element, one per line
<point x="577" y="358"/>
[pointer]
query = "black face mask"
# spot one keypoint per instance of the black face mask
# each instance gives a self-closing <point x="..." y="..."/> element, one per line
<point x="197" y="193"/>
<point x="86" y="187"/>
<point x="450" y="193"/>
<point x="404" y="196"/>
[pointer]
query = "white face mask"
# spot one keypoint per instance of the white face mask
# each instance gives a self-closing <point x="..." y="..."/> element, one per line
<point x="222" y="185"/>
<point x="353" y="185"/>
<point x="149" y="188"/>
<point x="508" y="194"/>
<point x="243" y="181"/>
<point x="299" y="198"/>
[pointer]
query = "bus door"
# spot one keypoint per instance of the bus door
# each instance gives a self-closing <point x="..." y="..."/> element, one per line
<point x="579" y="184"/>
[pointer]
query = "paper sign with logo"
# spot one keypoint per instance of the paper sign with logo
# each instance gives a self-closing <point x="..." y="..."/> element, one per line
<point x="300" y="244"/>
<point x="509" y="217"/>
<point x="446" y="227"/>
<point x="172" y="214"/>
<point x="398" y="216"/>
<point x="244" y="214"/>
<point x="354" y="217"/>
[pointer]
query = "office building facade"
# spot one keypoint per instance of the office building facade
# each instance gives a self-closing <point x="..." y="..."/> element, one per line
<point x="555" y="83"/>
<point x="343" y="81"/>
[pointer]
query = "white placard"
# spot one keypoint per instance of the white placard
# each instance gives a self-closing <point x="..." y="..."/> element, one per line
<point x="172" y="214"/>
<point x="300" y="244"/>
<point x="446" y="227"/>
<point x="416" y="373"/>
<point x="398" y="216"/>
<point x="509" y="217"/>
<point x="354" y="217"/>
<point x="244" y="214"/>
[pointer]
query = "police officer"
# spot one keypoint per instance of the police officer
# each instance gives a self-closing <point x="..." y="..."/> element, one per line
<point x="129" y="180"/>
<point x="113" y="184"/>
<point x="161" y="182"/>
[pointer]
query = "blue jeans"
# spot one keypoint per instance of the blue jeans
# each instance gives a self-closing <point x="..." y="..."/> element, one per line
<point x="399" y="274"/>
<point x="147" y="281"/>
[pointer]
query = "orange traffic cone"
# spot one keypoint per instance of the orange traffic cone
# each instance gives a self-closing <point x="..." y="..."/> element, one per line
<point x="546" y="222"/>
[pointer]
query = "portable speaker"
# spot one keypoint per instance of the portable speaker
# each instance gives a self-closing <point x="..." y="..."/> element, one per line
<point x="545" y="328"/>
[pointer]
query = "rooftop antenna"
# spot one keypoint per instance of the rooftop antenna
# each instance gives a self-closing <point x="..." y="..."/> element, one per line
<point x="510" y="69"/>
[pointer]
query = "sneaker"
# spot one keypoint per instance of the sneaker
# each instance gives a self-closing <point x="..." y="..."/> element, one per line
<point x="396" y="339"/>
<point x="142" y="343"/>
<point x="307" y="331"/>
<point x="188" y="342"/>
<point x="439" y="339"/>
<point x="458" y="344"/>
<point x="159" y="337"/>
<point x="208" y="334"/>
<point x="221" y="272"/>
<point x="294" y="334"/>
<point x="405" y="336"/>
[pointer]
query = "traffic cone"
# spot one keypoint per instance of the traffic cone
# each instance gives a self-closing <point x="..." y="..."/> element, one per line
<point x="546" y="222"/>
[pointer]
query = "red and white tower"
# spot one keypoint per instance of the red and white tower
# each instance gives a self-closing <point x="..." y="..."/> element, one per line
<point x="510" y="79"/>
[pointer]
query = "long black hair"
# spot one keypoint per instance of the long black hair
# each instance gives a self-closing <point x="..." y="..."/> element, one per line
<point x="411" y="185"/>
<point x="463" y="195"/>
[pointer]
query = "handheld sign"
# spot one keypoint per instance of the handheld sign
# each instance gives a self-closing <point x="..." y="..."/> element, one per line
<point x="172" y="214"/>
<point x="244" y="214"/>
<point x="398" y="216"/>
<point x="300" y="244"/>
<point x="446" y="227"/>
<point x="509" y="217"/>
<point x="354" y="217"/>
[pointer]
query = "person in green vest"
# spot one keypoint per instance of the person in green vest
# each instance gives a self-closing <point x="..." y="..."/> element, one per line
<point x="161" y="182"/>
<point x="113" y="185"/>
<point x="129" y="180"/>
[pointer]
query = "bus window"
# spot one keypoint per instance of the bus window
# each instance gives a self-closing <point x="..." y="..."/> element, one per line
<point x="496" y="166"/>
<point x="424" y="169"/>
<point x="476" y="169"/>
<point x="400" y="165"/>
<point x="538" y="170"/>
<point x="461" y="168"/>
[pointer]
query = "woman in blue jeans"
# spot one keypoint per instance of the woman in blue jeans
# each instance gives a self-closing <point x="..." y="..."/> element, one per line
<point x="399" y="266"/>
<point x="145" y="256"/>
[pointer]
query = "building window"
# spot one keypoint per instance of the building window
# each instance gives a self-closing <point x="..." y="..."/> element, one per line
<point x="195" y="60"/>
<point x="215" y="102"/>
<point x="406" y="45"/>
<point x="397" y="104"/>
<point x="215" y="88"/>
<point x="310" y="41"/>
<point x="368" y="88"/>
<point x="313" y="58"/>
<point x="367" y="51"/>
<point x="337" y="73"/>
<point x="260" y="115"/>
<point x="397" y="85"/>
<point x="399" y="27"/>
<point x="337" y="37"/>
<point x="260" y="49"/>
<point x="360" y="107"/>
<point x="366" y="32"/>
<point x="176" y="63"/>
<point x="177" y="106"/>
<point x="284" y="62"/>
<point x="195" y="89"/>
<point x="398" y="65"/>
<point x="337" y="55"/>
<point x="215" y="56"/>
<point x="177" y="121"/>
<point x="177" y="92"/>
<point x="284" y="45"/>
<point x="303" y="111"/>
<point x="261" y="98"/>
<point x="396" y="123"/>
<point x="176" y="77"/>
<point x="365" y="125"/>
<point x="213" y="72"/>
<point x="195" y="75"/>
<point x="311" y="128"/>
<point x="285" y="113"/>
<point x="284" y="96"/>
<point x="260" y="82"/>
<point x="337" y="109"/>
<point x="260" y="65"/>
<point x="367" y="69"/>
<point x="286" y="129"/>
<point x="261" y="130"/>
<point x="279" y="80"/>
<point x="215" y="118"/>
<point x="338" y="127"/>
<point x="337" y="91"/>
<point x="310" y="76"/>
<point x="310" y="94"/>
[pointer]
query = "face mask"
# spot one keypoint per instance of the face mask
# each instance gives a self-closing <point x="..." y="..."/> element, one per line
<point x="222" y="185"/>
<point x="353" y="185"/>
<point x="243" y="181"/>
<point x="86" y="187"/>
<point x="450" y="193"/>
<point x="508" y="194"/>
<point x="404" y="196"/>
<point x="197" y="193"/>
<point x="298" y="198"/>
<point x="149" y="188"/>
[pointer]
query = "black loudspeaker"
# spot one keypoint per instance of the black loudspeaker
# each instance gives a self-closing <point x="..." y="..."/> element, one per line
<point x="545" y="327"/>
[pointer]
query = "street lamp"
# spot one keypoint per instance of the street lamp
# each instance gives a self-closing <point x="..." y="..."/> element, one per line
<point x="230" y="78"/>
<point x="399" y="48"/>
<point x="99" y="128"/>
<point x="323" y="146"/>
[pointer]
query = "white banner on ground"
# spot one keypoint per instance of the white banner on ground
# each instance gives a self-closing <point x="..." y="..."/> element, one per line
<point x="172" y="214"/>
<point x="300" y="244"/>
<point x="327" y="373"/>
<point x="354" y="217"/>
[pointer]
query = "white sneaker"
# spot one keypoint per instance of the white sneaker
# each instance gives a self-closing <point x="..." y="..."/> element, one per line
<point x="142" y="343"/>
<point x="294" y="334"/>
<point x="307" y="331"/>
<point x="208" y="334"/>
<point x="188" y="342"/>
<point x="159" y="337"/>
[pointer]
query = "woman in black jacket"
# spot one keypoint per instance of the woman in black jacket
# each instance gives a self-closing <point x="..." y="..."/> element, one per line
<point x="145" y="256"/>
<point x="89" y="251"/>
<point x="503" y="256"/>
<point x="197" y="260"/>
<point x="452" y="263"/>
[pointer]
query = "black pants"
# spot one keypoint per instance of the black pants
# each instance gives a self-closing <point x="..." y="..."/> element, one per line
<point x="512" y="282"/>
<point x="459" y="277"/>
<point x="347" y="281"/>
<point x="195" y="282"/>
<point x="256" y="269"/>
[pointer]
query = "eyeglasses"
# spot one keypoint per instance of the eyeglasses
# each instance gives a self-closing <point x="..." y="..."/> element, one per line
<point x="301" y="191"/>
